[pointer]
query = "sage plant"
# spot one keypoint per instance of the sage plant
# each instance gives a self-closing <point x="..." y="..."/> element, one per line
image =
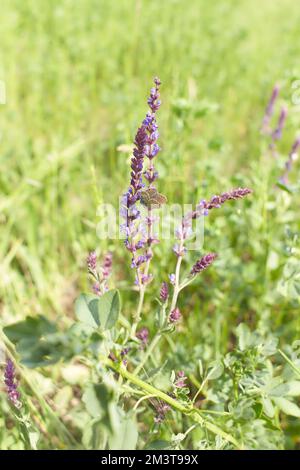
<point x="139" y="231"/>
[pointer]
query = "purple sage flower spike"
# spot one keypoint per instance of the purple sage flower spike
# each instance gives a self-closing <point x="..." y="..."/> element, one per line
<point x="216" y="201"/>
<point x="203" y="263"/>
<point x="180" y="379"/>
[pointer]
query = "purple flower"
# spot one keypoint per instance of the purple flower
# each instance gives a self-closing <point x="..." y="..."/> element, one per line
<point x="161" y="409"/>
<point x="136" y="262"/>
<point x="164" y="292"/>
<point x="181" y="379"/>
<point x="172" y="278"/>
<point x="153" y="100"/>
<point x="175" y="315"/>
<point x="216" y="201"/>
<point x="270" y="110"/>
<point x="292" y="156"/>
<point x="178" y="250"/>
<point x="152" y="148"/>
<point x="151" y="177"/>
<point x="11" y="384"/>
<point x="97" y="288"/>
<point x="137" y="162"/>
<point x="277" y="133"/>
<point x="91" y="261"/>
<point x="107" y="265"/>
<point x="203" y="263"/>
<point x="143" y="335"/>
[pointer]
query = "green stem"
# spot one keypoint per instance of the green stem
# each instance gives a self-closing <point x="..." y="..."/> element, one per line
<point x="289" y="362"/>
<point x="148" y="353"/>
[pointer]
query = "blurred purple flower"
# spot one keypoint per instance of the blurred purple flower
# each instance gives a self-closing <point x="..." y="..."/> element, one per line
<point x="216" y="201"/>
<point x="13" y="394"/>
<point x="107" y="265"/>
<point x="269" y="110"/>
<point x="172" y="278"/>
<point x="164" y="292"/>
<point x="97" y="288"/>
<point x="175" y="315"/>
<point x="180" y="380"/>
<point x="161" y="409"/>
<point x="277" y="133"/>
<point x="143" y="335"/>
<point x="291" y="158"/>
<point x="91" y="262"/>
<point x="203" y="263"/>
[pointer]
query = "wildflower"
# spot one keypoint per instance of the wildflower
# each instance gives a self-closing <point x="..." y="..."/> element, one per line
<point x="179" y="251"/>
<point x="291" y="158"/>
<point x="175" y="315"/>
<point x="91" y="262"/>
<point x="107" y="265"/>
<point x="11" y="384"/>
<point x="203" y="263"/>
<point x="161" y="409"/>
<point x="150" y="123"/>
<point x="143" y="335"/>
<point x="172" y="278"/>
<point x="180" y="380"/>
<point x="270" y="110"/>
<point x="124" y="353"/>
<point x="164" y="292"/>
<point x="97" y="288"/>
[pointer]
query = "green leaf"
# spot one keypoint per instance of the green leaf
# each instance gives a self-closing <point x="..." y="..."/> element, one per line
<point x="100" y="404"/>
<point x="86" y="309"/>
<point x="215" y="370"/>
<point x="268" y="407"/>
<point x="109" y="309"/>
<point x="244" y="336"/>
<point x="288" y="407"/>
<point x="125" y="436"/>
<point x="39" y="343"/>
<point x="31" y="328"/>
<point x="96" y="398"/>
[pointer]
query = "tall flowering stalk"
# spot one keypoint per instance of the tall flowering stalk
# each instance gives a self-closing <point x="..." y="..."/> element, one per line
<point x="11" y="383"/>
<point x="185" y="230"/>
<point x="266" y="129"/>
<point x="276" y="133"/>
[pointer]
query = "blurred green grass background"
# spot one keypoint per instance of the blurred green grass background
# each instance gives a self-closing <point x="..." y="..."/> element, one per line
<point x="77" y="76"/>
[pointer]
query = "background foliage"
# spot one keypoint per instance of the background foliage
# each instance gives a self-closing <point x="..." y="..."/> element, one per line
<point x="77" y="75"/>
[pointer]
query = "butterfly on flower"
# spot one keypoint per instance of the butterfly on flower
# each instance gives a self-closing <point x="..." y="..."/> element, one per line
<point x="152" y="198"/>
